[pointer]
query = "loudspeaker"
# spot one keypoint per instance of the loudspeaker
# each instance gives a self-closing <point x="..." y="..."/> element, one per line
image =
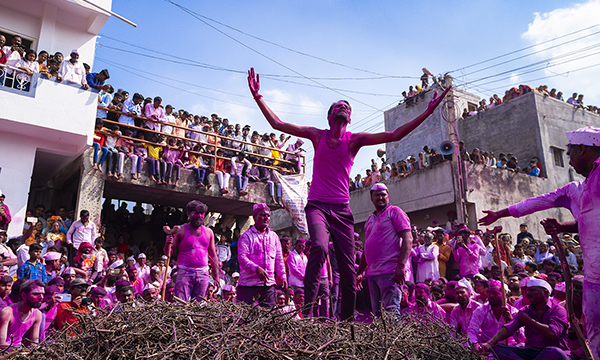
<point x="380" y="152"/>
<point x="447" y="147"/>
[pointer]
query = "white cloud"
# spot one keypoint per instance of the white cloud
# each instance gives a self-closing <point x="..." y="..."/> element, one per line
<point x="514" y="78"/>
<point x="560" y="22"/>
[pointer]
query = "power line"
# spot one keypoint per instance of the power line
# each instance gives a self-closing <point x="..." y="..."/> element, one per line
<point x="289" y="49"/>
<point x="523" y="49"/>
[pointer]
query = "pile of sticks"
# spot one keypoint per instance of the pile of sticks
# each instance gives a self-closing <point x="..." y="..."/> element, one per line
<point x="223" y="330"/>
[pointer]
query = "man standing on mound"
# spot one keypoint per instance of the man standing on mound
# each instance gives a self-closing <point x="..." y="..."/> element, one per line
<point x="328" y="211"/>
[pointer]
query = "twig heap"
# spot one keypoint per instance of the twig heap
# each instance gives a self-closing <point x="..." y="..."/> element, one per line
<point x="222" y="330"/>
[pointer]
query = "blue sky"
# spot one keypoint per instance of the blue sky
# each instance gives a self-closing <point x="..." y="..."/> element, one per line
<point x="386" y="39"/>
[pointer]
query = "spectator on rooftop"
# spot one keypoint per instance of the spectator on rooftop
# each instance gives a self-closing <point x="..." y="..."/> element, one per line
<point x="534" y="171"/>
<point x="131" y="107"/>
<point x="222" y="169"/>
<point x="572" y="100"/>
<point x="154" y="111"/>
<point x="73" y="71"/>
<point x="239" y="167"/>
<point x="96" y="80"/>
<point x="30" y="66"/>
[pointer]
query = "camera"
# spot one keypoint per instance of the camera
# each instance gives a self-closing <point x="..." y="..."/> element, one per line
<point x="86" y="301"/>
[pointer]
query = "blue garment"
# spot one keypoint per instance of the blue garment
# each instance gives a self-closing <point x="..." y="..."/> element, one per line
<point x="93" y="81"/>
<point x="30" y="271"/>
<point x="535" y="171"/>
<point x="105" y="100"/>
<point x="129" y="106"/>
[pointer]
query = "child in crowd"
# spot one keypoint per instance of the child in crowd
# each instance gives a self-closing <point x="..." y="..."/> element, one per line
<point x="200" y="166"/>
<point x="124" y="147"/>
<point x="171" y="155"/>
<point x="239" y="169"/>
<point x="222" y="169"/>
<point x="98" y="144"/>
<point x="137" y="157"/>
<point x="271" y="179"/>
<point x="154" y="160"/>
<point x="30" y="66"/>
<point x="112" y="155"/>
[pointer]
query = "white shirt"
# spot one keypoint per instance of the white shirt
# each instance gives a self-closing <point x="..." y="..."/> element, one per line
<point x="427" y="263"/>
<point x="12" y="57"/>
<point x="31" y="65"/>
<point x="238" y="166"/>
<point x="297" y="267"/>
<point x="74" y="73"/>
<point x="78" y="233"/>
<point x="166" y="128"/>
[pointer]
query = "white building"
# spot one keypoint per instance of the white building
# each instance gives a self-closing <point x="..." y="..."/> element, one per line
<point x="44" y="129"/>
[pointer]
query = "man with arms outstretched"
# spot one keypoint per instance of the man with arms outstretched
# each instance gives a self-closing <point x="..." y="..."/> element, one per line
<point x="328" y="211"/>
<point x="582" y="198"/>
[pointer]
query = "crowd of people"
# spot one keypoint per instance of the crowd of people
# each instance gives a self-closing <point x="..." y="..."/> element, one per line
<point x="430" y="157"/>
<point x="452" y="271"/>
<point x="576" y="99"/>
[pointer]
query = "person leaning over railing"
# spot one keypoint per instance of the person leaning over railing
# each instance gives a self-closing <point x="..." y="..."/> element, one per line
<point x="29" y="66"/>
<point x="222" y="169"/>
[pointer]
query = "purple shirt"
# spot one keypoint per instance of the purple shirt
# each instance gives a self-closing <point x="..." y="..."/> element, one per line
<point x="484" y="325"/>
<point x="158" y="113"/>
<point x="383" y="240"/>
<point x="468" y="258"/>
<point x="171" y="155"/>
<point x="331" y="171"/>
<point x="461" y="318"/>
<point x="583" y="200"/>
<point x="554" y="315"/>
<point x="431" y="308"/>
<point x="260" y="249"/>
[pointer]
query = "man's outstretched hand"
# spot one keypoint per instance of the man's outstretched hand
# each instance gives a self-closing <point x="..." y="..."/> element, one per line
<point x="552" y="226"/>
<point x="490" y="217"/>
<point x="254" y="83"/>
<point x="437" y="100"/>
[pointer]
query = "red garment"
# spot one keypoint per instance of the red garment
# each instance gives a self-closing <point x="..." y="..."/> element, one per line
<point x="65" y="317"/>
<point x="3" y="57"/>
<point x="539" y="166"/>
<point x="99" y="138"/>
<point x="123" y="249"/>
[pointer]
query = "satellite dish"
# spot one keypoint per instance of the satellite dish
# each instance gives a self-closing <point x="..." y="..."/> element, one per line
<point x="447" y="147"/>
<point x="380" y="152"/>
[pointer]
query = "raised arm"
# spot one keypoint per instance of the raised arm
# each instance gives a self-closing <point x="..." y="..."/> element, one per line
<point x="365" y="139"/>
<point x="306" y="132"/>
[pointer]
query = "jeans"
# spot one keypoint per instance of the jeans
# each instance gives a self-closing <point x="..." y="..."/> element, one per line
<point x="591" y="310"/>
<point x="241" y="181"/>
<point x="383" y="288"/>
<point x="166" y="170"/>
<point x="272" y="188"/>
<point x="200" y="175"/>
<point x="223" y="178"/>
<point x="327" y="220"/>
<point x="505" y="352"/>
<point x="323" y="294"/>
<point x="102" y="157"/>
<point x="334" y="310"/>
<point x="112" y="162"/>
<point x="154" y="166"/>
<point x="264" y="295"/>
<point x="191" y="284"/>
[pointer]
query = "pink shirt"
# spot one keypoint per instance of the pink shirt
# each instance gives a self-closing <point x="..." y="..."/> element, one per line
<point x="193" y="250"/>
<point x="484" y="325"/>
<point x="431" y="308"/>
<point x="18" y="328"/>
<point x="427" y="262"/>
<point x="260" y="249"/>
<point x="79" y="233"/>
<point x="468" y="258"/>
<point x="331" y="171"/>
<point x="583" y="200"/>
<point x="297" y="268"/>
<point x="383" y="240"/>
<point x="158" y="113"/>
<point x="461" y="318"/>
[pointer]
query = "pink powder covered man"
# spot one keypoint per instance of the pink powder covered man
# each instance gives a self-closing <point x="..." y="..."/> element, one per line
<point x="583" y="200"/>
<point x="17" y="319"/>
<point x="196" y="245"/>
<point x="260" y="257"/>
<point x="328" y="212"/>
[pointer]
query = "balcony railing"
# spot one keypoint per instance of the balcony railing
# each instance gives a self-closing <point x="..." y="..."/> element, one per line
<point x="15" y="78"/>
<point x="301" y="163"/>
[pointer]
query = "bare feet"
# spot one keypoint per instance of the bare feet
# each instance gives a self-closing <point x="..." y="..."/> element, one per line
<point x="208" y="186"/>
<point x="273" y="200"/>
<point x="120" y="176"/>
<point x="224" y="191"/>
<point x="200" y="185"/>
<point x="243" y="193"/>
<point x="99" y="168"/>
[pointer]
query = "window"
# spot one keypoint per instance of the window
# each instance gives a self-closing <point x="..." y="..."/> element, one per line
<point x="26" y="41"/>
<point x="558" y="157"/>
<point x="472" y="107"/>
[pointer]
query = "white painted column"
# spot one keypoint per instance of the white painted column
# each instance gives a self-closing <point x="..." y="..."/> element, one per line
<point x="46" y="37"/>
<point x="16" y="163"/>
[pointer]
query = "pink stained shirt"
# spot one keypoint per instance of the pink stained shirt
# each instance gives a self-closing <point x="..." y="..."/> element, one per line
<point x="427" y="263"/>
<point x="159" y="113"/>
<point x="461" y="318"/>
<point x="468" y="258"/>
<point x="432" y="308"/>
<point x="582" y="198"/>
<point x="297" y="268"/>
<point x="260" y="249"/>
<point x="19" y="328"/>
<point x="79" y="233"/>
<point x="331" y="171"/>
<point x="171" y="155"/>
<point x="484" y="325"/>
<point x="383" y="240"/>
<point x="193" y="250"/>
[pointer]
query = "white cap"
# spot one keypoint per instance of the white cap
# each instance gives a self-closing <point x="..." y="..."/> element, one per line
<point x="155" y="268"/>
<point x="465" y="284"/>
<point x="141" y="255"/>
<point x="131" y="258"/>
<point x="228" y="288"/>
<point x="149" y="286"/>
<point x="235" y="274"/>
<point x="52" y="255"/>
<point x="164" y="257"/>
<point x="70" y="271"/>
<point x="589" y="136"/>
<point x="561" y="286"/>
<point x="116" y="264"/>
<point x="534" y="282"/>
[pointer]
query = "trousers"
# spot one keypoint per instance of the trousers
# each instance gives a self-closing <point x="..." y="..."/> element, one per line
<point x="327" y="220"/>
